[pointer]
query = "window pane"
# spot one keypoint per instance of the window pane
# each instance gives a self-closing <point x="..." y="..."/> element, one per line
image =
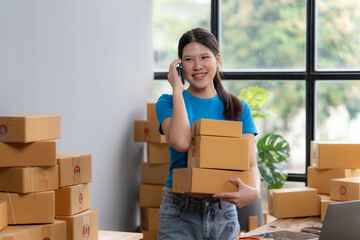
<point x="337" y="111"/>
<point x="338" y="35"/>
<point x="171" y="20"/>
<point x="263" y="35"/>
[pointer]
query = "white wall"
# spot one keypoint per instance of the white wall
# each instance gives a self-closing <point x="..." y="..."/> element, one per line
<point x="91" y="62"/>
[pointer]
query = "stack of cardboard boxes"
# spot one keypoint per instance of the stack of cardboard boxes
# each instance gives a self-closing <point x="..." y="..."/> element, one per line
<point x="154" y="172"/>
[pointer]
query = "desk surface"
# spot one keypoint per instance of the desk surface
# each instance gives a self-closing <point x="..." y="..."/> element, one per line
<point x="112" y="235"/>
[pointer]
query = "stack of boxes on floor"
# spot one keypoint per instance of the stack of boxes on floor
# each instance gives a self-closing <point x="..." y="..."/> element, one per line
<point x="154" y="172"/>
<point x="29" y="177"/>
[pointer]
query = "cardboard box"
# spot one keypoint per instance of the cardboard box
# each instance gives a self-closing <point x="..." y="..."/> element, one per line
<point x="150" y="195"/>
<point x="154" y="173"/>
<point x="219" y="128"/>
<point x="151" y="111"/>
<point x="30" y="208"/>
<point x="54" y="231"/>
<point x="321" y="197"/>
<point x="74" y="169"/>
<point x="148" y="131"/>
<point x="320" y="178"/>
<point x="206" y="181"/>
<point x="330" y="155"/>
<point x="158" y="153"/>
<point x="29" y="128"/>
<point x="149" y="218"/>
<point x="345" y="189"/>
<point x="73" y="199"/>
<point x="3" y="214"/>
<point x="324" y="205"/>
<point x="219" y="153"/>
<point x="29" y="179"/>
<point x="83" y="225"/>
<point x="36" y="154"/>
<point x="293" y="202"/>
<point x="149" y="235"/>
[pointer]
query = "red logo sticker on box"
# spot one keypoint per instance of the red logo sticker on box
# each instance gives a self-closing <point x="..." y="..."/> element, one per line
<point x="342" y="190"/>
<point x="86" y="231"/>
<point x="3" y="129"/>
<point x="47" y="238"/>
<point x="80" y="198"/>
<point x="76" y="170"/>
<point x="146" y="131"/>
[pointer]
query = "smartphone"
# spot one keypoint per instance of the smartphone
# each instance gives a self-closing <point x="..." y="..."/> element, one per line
<point x="180" y="72"/>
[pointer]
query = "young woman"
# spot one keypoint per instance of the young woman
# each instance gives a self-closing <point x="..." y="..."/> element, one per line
<point x="182" y="216"/>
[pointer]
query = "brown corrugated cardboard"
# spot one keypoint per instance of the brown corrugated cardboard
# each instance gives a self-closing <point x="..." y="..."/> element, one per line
<point x="54" y="231"/>
<point x="321" y="197"/>
<point x="151" y="111"/>
<point x="29" y="128"/>
<point x="83" y="225"/>
<point x="149" y="235"/>
<point x="220" y="128"/>
<point x="148" y="131"/>
<point x="149" y="218"/>
<point x="154" y="173"/>
<point x="3" y="214"/>
<point x="219" y="153"/>
<point x="324" y="205"/>
<point x="206" y="181"/>
<point x="330" y="155"/>
<point x="29" y="179"/>
<point x="29" y="208"/>
<point x="74" y="169"/>
<point x="73" y="199"/>
<point x="293" y="202"/>
<point x="345" y="189"/>
<point x="320" y="178"/>
<point x="36" y="154"/>
<point x="158" y="153"/>
<point x="150" y="195"/>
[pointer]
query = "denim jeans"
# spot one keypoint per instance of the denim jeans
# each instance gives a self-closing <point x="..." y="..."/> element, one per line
<point x="185" y="217"/>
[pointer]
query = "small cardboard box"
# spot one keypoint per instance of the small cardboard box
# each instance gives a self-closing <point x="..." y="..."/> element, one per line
<point x="206" y="181"/>
<point x="219" y="128"/>
<point x="149" y="235"/>
<point x="158" y="153"/>
<point x="320" y="178"/>
<point x="150" y="195"/>
<point x="29" y="128"/>
<point x="322" y="197"/>
<point x="54" y="231"/>
<point x="149" y="218"/>
<point x="151" y="111"/>
<point x="293" y="202"/>
<point x="324" y="205"/>
<point x="73" y="199"/>
<point x="36" y="154"/>
<point x="219" y="153"/>
<point x="148" y="131"/>
<point x="154" y="173"/>
<point x="30" y="208"/>
<point x="330" y="155"/>
<point x="29" y="179"/>
<point x="74" y="169"/>
<point x="345" y="189"/>
<point x="83" y="225"/>
<point x="3" y="214"/>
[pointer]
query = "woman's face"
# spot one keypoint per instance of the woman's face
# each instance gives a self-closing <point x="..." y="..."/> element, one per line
<point x="199" y="65"/>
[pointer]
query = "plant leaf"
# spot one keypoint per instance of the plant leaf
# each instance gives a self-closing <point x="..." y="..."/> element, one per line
<point x="254" y="96"/>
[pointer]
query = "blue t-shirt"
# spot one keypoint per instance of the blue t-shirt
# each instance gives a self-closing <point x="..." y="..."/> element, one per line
<point x="197" y="108"/>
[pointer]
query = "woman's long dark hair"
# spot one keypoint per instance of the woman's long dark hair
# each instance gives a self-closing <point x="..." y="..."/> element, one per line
<point x="233" y="107"/>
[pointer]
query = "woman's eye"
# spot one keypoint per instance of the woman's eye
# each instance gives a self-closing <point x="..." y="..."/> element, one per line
<point x="187" y="59"/>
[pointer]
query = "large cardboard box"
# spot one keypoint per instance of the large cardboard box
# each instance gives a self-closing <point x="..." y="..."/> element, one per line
<point x="345" y="189"/>
<point x="150" y="195"/>
<point x="83" y="225"/>
<point x="320" y="178"/>
<point x="53" y="231"/>
<point x="220" y="128"/>
<point x="3" y="214"/>
<point x="219" y="153"/>
<point x="149" y="218"/>
<point x="324" y="205"/>
<point x="293" y="202"/>
<point x="30" y="208"/>
<point x="36" y="154"/>
<point x="151" y="111"/>
<point x="148" y="131"/>
<point x="158" y="153"/>
<point x="29" y="179"/>
<point x="329" y="155"/>
<point x="154" y="173"/>
<point x="206" y="181"/>
<point x="74" y="169"/>
<point x="29" y="128"/>
<point x="149" y="235"/>
<point x="73" y="199"/>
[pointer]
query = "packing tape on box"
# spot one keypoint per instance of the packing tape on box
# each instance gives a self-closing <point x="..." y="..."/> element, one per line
<point x="31" y="180"/>
<point x="11" y="207"/>
<point x="77" y="171"/>
<point x="46" y="232"/>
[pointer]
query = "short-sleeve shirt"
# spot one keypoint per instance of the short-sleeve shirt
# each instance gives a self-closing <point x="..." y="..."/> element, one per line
<point x="197" y="108"/>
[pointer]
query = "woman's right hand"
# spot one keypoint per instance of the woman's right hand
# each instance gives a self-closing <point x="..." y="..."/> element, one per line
<point x="173" y="76"/>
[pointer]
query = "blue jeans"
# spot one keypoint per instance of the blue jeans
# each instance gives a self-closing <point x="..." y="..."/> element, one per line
<point x="185" y="217"/>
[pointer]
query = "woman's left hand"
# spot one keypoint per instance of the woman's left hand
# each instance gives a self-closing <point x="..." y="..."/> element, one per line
<point x="244" y="196"/>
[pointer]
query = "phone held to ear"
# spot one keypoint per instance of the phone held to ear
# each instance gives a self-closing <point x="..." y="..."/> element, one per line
<point x="180" y="72"/>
